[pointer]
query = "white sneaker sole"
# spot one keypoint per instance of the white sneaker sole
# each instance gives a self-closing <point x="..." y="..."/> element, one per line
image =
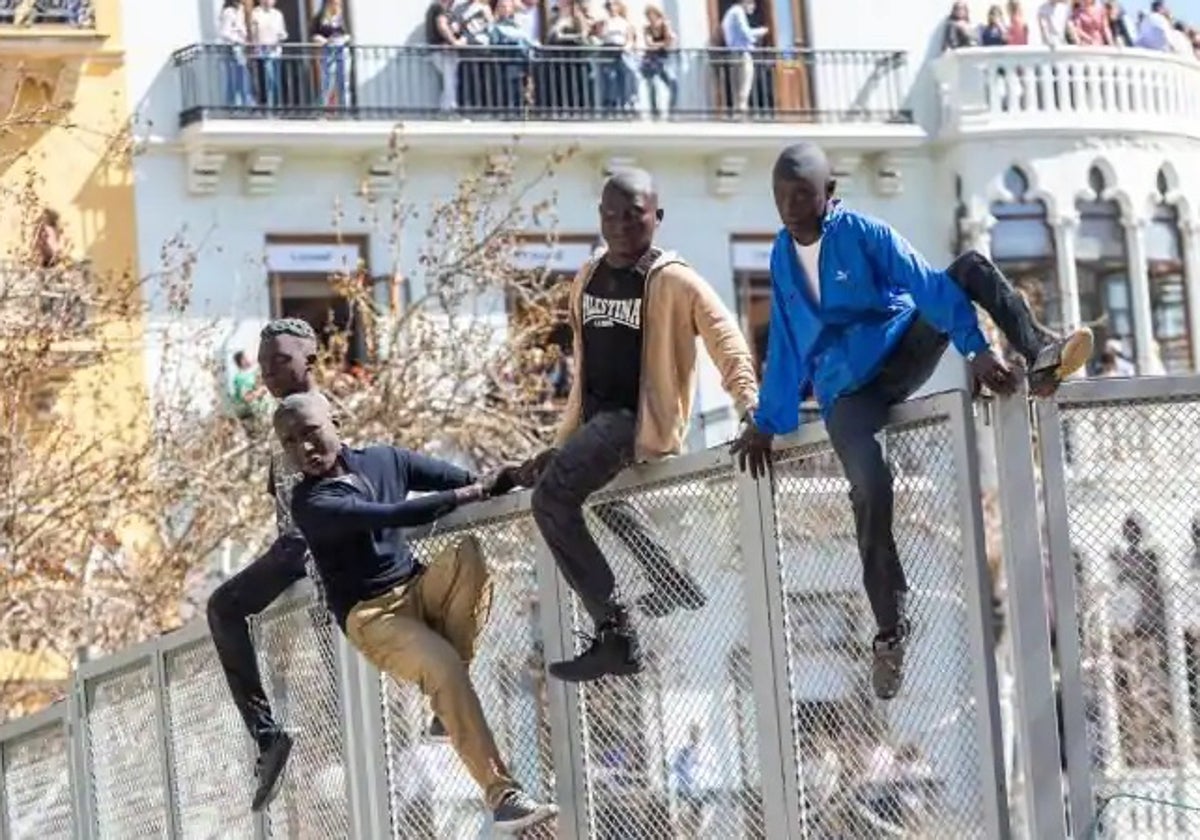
<point x="541" y="814"/>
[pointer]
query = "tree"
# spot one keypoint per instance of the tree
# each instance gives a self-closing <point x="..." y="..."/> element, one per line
<point x="117" y="500"/>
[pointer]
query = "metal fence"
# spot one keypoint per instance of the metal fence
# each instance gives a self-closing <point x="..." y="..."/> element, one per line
<point x="760" y="695"/>
<point x="558" y="83"/>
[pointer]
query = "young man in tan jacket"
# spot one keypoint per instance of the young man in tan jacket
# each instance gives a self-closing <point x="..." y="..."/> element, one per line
<point x="636" y="313"/>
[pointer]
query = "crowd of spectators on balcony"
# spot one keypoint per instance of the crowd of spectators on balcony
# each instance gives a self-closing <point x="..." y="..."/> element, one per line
<point x="1083" y="23"/>
<point x="585" y="55"/>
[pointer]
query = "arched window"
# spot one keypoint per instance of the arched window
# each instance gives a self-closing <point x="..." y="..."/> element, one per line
<point x="1023" y="247"/>
<point x="1101" y="266"/>
<point x="1168" y="292"/>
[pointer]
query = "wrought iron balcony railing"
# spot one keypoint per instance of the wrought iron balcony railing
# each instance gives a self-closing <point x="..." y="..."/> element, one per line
<point x="305" y="81"/>
<point x="78" y="13"/>
<point x="52" y="302"/>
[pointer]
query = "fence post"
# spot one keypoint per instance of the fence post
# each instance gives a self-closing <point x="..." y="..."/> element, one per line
<point x="1062" y="580"/>
<point x="558" y="634"/>
<point x="363" y="739"/>
<point x="4" y="783"/>
<point x="1037" y="719"/>
<point x="81" y="770"/>
<point x="978" y="594"/>
<point x="158" y="682"/>
<point x="783" y="815"/>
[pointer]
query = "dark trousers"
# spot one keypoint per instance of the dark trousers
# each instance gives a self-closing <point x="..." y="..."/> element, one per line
<point x="856" y="419"/>
<point x="590" y="459"/>
<point x="248" y="593"/>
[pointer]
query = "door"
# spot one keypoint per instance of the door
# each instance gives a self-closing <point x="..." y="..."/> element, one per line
<point x="782" y="81"/>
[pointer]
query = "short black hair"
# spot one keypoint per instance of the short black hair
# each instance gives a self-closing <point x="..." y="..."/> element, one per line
<point x="802" y="161"/>
<point x="632" y="182"/>
<point x="239" y="358"/>
<point x="302" y="401"/>
<point x="1157" y="5"/>
<point x="288" y="326"/>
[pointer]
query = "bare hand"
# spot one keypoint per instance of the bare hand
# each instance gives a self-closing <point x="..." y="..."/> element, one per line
<point x="753" y="449"/>
<point x="991" y="370"/>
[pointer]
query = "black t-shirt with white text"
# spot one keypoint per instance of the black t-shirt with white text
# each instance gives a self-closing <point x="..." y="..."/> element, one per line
<point x="612" y="340"/>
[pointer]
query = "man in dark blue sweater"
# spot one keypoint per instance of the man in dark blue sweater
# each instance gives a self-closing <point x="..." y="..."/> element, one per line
<point x="416" y="623"/>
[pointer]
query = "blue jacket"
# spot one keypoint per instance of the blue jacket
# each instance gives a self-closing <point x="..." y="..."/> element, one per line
<point x="873" y="285"/>
<point x="354" y="523"/>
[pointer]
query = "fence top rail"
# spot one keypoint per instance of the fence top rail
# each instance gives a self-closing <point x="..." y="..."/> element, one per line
<point x="15" y="730"/>
<point x="1083" y="392"/>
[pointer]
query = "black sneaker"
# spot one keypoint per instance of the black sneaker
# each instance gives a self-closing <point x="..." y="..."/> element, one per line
<point x="518" y="810"/>
<point x="437" y="730"/>
<point x="887" y="665"/>
<point x="680" y="591"/>
<point x="614" y="650"/>
<point x="269" y="770"/>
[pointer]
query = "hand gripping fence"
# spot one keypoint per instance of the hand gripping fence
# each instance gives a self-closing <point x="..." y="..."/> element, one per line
<point x="754" y="716"/>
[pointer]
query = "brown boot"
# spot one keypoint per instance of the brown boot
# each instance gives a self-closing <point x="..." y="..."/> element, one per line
<point x="1058" y="359"/>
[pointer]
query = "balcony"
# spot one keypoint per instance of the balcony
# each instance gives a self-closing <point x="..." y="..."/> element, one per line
<point x="48" y="28"/>
<point x="47" y="306"/>
<point x="1002" y="91"/>
<point x="353" y="97"/>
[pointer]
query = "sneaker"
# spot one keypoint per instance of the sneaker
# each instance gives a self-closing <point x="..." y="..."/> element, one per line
<point x="518" y="810"/>
<point x="269" y="770"/>
<point x="887" y="665"/>
<point x="437" y="730"/>
<point x="614" y="650"/>
<point x="1058" y="360"/>
<point x="680" y="591"/>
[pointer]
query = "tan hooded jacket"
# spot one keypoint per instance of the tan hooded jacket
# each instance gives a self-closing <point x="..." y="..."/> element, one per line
<point x="678" y="306"/>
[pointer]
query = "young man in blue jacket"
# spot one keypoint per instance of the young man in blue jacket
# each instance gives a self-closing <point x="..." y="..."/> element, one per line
<point x="417" y="623"/>
<point x="863" y="319"/>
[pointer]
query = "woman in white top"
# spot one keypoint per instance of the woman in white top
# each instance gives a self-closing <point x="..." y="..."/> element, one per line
<point x="618" y="74"/>
<point x="233" y="31"/>
<point x="267" y="31"/>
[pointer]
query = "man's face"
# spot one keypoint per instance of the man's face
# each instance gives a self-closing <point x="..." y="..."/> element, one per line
<point x="309" y="439"/>
<point x="286" y="363"/>
<point x="801" y="203"/>
<point x="627" y="222"/>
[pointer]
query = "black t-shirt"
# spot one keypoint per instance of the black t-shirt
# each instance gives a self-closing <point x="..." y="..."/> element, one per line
<point x="433" y="35"/>
<point x="612" y="340"/>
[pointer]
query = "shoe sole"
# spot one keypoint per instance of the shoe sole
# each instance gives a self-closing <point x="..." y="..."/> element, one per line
<point x="540" y="815"/>
<point x="625" y="671"/>
<point x="1076" y="352"/>
<point x="277" y="786"/>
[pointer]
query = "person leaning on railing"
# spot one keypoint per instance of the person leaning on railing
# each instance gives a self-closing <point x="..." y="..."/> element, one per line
<point x="443" y="33"/>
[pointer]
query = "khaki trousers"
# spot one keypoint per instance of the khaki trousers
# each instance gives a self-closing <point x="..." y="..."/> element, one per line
<point x="424" y="632"/>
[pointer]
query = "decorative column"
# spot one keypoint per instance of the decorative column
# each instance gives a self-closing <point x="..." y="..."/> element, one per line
<point x="1065" y="229"/>
<point x="1139" y="290"/>
<point x="1189" y="236"/>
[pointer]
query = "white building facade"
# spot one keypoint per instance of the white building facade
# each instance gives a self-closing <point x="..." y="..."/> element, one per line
<point x="1071" y="167"/>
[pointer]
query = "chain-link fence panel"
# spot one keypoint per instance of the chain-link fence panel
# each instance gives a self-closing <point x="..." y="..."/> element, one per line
<point x="212" y="756"/>
<point x="672" y="751"/>
<point x="1132" y="488"/>
<point x="37" y="786"/>
<point x="296" y="649"/>
<point x="125" y="755"/>
<point x="432" y="796"/>
<point x="911" y="766"/>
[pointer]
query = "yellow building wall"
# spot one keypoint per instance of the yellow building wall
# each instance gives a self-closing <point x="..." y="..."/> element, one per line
<point x="64" y="144"/>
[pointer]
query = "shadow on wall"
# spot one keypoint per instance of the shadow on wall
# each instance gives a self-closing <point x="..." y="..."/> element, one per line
<point x="922" y="97"/>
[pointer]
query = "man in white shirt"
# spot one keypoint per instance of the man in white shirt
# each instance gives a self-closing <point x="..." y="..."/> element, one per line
<point x="1156" y="31"/>
<point x="1053" y="19"/>
<point x="741" y="39"/>
<point x="267" y="31"/>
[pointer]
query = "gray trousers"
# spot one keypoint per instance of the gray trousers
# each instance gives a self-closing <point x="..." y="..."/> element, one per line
<point x="592" y="457"/>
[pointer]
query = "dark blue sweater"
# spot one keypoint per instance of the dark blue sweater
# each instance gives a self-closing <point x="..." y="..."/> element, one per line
<point x="354" y="523"/>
